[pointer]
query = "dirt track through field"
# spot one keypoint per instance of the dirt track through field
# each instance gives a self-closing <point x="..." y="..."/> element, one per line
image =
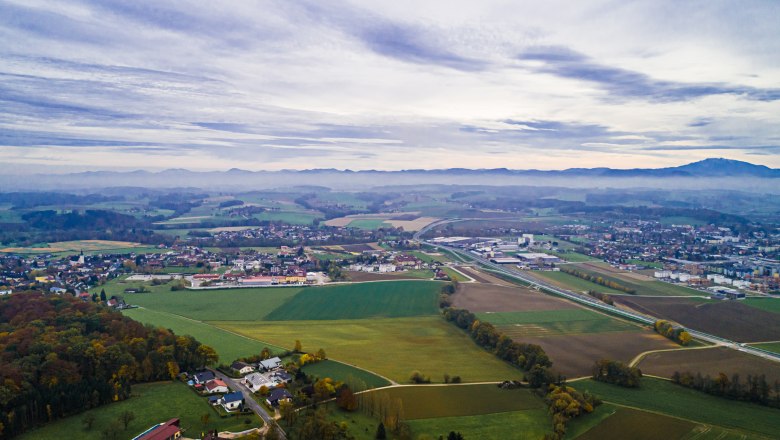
<point x="709" y="361"/>
<point x="574" y="355"/>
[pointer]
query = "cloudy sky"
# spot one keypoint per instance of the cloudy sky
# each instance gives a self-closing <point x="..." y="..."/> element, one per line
<point x="117" y="84"/>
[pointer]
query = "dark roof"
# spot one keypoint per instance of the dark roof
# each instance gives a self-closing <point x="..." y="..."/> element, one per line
<point x="278" y="394"/>
<point x="237" y="365"/>
<point x="233" y="397"/>
<point x="204" y="376"/>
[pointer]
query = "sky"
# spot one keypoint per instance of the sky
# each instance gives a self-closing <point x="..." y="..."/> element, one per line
<point x="269" y="85"/>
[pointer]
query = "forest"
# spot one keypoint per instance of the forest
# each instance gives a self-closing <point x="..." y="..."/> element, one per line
<point x="60" y="356"/>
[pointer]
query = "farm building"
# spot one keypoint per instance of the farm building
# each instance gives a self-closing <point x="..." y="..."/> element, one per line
<point x="538" y="258"/>
<point x="169" y="430"/>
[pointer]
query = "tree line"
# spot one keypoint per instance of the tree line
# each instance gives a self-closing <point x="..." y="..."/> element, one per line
<point x="599" y="280"/>
<point x="603" y="297"/>
<point x="616" y="373"/>
<point x="754" y="389"/>
<point x="528" y="357"/>
<point x="676" y="334"/>
<point x="60" y="356"/>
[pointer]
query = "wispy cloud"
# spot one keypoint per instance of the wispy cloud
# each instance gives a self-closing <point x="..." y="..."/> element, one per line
<point x="624" y="83"/>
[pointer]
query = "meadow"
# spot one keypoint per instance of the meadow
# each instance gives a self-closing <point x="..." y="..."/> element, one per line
<point x="339" y="371"/>
<point x="667" y="398"/>
<point x="425" y="401"/>
<point x="392" y="347"/>
<point x="769" y="346"/>
<point x="639" y="425"/>
<point x="229" y="346"/>
<point x="151" y="403"/>
<point x="220" y="304"/>
<point x="355" y="301"/>
<point x="766" y="304"/>
<point x="643" y="287"/>
<point x="571" y="282"/>
<point x="90" y="247"/>
<point x="518" y="325"/>
<point x="530" y="424"/>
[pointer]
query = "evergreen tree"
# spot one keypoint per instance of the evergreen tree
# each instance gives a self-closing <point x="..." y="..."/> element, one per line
<point x="380" y="432"/>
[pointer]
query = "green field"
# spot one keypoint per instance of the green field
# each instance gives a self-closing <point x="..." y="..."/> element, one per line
<point x="768" y="346"/>
<point x="646" y="263"/>
<point x="363" y="300"/>
<point x="426" y="401"/>
<point x="152" y="404"/>
<point x="291" y="217"/>
<point x="455" y="275"/>
<point x="342" y="372"/>
<point x="89" y="247"/>
<point x="667" y="398"/>
<point x="391" y="347"/>
<point x="219" y="305"/>
<point x="554" y="322"/>
<point x="767" y="304"/>
<point x="530" y="424"/>
<point x="428" y="258"/>
<point x="575" y="283"/>
<point x="228" y="345"/>
<point x="643" y="288"/>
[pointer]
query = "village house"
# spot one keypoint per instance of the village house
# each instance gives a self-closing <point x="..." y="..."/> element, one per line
<point x="242" y="367"/>
<point x="278" y="395"/>
<point x="232" y="401"/>
<point x="270" y="364"/>
<point x="216" y="386"/>
<point x="202" y="377"/>
<point x="255" y="381"/>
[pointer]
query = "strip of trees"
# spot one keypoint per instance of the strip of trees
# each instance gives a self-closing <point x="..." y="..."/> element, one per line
<point x="754" y="389"/>
<point x="603" y="297"/>
<point x="616" y="373"/>
<point x="676" y="334"/>
<point x="60" y="356"/>
<point x="598" y="280"/>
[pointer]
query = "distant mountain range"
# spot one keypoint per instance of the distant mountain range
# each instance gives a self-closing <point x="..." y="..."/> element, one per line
<point x="696" y="174"/>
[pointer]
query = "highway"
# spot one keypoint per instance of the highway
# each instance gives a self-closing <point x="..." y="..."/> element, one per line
<point x="525" y="278"/>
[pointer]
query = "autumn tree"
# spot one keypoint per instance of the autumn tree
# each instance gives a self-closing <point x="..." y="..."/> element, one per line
<point x="208" y="354"/>
<point x="287" y="412"/>
<point x="298" y="348"/>
<point x="346" y="399"/>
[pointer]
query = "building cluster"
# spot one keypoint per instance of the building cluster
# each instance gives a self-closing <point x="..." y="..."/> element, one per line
<point x="279" y="233"/>
<point x="523" y="252"/>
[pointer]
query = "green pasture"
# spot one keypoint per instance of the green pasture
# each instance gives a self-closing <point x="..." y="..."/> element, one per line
<point x="425" y="401"/>
<point x="245" y="304"/>
<point x="152" y="404"/>
<point x="360" y="300"/>
<point x="344" y="373"/>
<point x="290" y="217"/>
<point x="639" y="425"/>
<point x="229" y="346"/>
<point x="530" y="424"/>
<point x="766" y="304"/>
<point x="575" y="283"/>
<point x="768" y="346"/>
<point x="392" y="347"/>
<point x="554" y="322"/>
<point x="664" y="397"/>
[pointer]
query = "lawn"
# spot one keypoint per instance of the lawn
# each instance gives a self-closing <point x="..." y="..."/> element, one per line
<point x="530" y="424"/>
<point x="766" y="304"/>
<point x="219" y="305"/>
<point x="344" y="373"/>
<point x="152" y="404"/>
<point x="391" y="347"/>
<point x="228" y="345"/>
<point x="554" y="322"/>
<point x="426" y="401"/>
<point x="666" y="398"/>
<point x="652" y="264"/>
<point x="362" y="300"/>
<point x="455" y="275"/>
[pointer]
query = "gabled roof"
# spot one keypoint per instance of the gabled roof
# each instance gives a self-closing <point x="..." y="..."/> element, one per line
<point x="204" y="376"/>
<point x="278" y="394"/>
<point x="270" y="363"/>
<point x="235" y="396"/>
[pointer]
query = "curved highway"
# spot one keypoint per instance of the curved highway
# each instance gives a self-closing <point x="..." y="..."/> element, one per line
<point x="588" y="300"/>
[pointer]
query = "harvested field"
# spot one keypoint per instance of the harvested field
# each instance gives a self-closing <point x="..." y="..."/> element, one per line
<point x="709" y="361"/>
<point x="639" y="425"/>
<point x="483" y="277"/>
<point x="412" y="225"/>
<point x="376" y="276"/>
<point x="574" y="355"/>
<point x="489" y="298"/>
<point x="727" y="319"/>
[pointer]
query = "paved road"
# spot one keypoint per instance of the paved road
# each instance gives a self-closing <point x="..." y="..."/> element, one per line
<point x="249" y="401"/>
<point x="587" y="300"/>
